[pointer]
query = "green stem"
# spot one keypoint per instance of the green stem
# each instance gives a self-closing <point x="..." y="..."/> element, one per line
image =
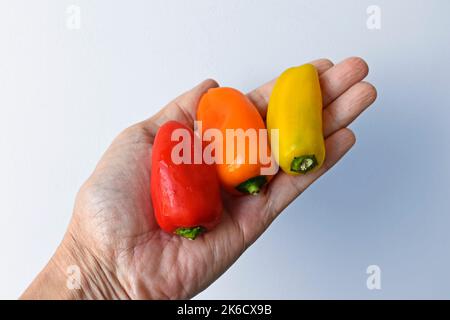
<point x="252" y="186"/>
<point x="190" y="233"/>
<point x="303" y="164"/>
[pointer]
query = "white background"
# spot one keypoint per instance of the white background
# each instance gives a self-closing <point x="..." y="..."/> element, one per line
<point x="65" y="94"/>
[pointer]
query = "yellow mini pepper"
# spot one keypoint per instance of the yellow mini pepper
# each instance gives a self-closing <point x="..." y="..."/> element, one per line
<point x="295" y="109"/>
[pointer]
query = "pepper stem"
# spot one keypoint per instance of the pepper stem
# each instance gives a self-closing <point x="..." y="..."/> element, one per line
<point x="190" y="233"/>
<point x="303" y="164"/>
<point x="252" y="186"/>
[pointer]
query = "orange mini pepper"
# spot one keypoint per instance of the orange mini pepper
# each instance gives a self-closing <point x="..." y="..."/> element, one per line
<point x="228" y="108"/>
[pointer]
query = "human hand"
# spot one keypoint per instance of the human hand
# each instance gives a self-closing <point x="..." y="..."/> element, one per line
<point x="113" y="236"/>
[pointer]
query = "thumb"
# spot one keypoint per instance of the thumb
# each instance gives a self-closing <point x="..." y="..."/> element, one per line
<point x="184" y="107"/>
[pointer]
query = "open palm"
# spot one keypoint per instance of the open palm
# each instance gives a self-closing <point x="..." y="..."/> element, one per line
<point x="113" y="218"/>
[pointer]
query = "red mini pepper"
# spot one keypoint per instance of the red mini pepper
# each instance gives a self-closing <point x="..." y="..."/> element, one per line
<point x="186" y="196"/>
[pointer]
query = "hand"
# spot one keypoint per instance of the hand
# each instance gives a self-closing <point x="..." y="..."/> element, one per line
<point x="113" y="236"/>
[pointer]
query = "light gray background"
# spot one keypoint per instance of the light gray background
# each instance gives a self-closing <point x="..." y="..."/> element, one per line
<point x="64" y="95"/>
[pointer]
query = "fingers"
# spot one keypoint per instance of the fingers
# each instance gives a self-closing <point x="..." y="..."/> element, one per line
<point x="184" y="107"/>
<point x="284" y="188"/>
<point x="347" y="107"/>
<point x="322" y="65"/>
<point x="260" y="96"/>
<point x="341" y="77"/>
<point x="334" y="81"/>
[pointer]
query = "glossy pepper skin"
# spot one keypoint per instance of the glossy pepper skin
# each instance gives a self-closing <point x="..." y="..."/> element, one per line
<point x="227" y="108"/>
<point x="295" y="109"/>
<point x="186" y="197"/>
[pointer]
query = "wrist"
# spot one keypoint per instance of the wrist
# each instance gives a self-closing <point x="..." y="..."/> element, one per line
<point x="75" y="272"/>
